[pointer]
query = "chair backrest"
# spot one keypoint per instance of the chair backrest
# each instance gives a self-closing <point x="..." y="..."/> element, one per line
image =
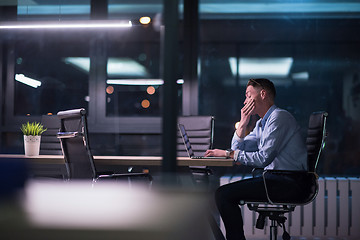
<point x="74" y="139"/>
<point x="315" y="140"/>
<point x="50" y="144"/>
<point x="200" y="130"/>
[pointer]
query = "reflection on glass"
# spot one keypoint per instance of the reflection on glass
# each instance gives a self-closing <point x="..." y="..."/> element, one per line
<point x="150" y="90"/>
<point x="133" y="100"/>
<point x="145" y="20"/>
<point x="309" y="76"/>
<point x="27" y="81"/>
<point x="116" y="67"/>
<point x="145" y="103"/>
<point x="49" y="9"/>
<point x="58" y="84"/>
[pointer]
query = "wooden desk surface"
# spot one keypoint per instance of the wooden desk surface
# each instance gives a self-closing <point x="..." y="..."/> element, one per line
<point x="127" y="160"/>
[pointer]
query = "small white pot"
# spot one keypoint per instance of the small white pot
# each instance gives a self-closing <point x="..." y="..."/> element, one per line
<point x="32" y="145"/>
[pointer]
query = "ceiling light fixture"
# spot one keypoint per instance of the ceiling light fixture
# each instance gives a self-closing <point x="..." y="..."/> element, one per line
<point x="116" y="67"/>
<point x="269" y="67"/>
<point x="145" y="20"/>
<point x="91" y="24"/>
<point x="139" y="82"/>
<point x="300" y="76"/>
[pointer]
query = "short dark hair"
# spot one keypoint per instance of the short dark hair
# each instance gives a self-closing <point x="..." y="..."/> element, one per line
<point x="263" y="83"/>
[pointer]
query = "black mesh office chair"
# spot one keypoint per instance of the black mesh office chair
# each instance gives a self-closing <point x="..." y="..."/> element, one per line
<point x="276" y="206"/>
<point x="74" y="140"/>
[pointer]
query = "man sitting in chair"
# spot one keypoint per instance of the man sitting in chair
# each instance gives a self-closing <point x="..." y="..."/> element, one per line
<point x="274" y="143"/>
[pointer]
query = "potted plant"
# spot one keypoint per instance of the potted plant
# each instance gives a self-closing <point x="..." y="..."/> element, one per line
<point x="32" y="136"/>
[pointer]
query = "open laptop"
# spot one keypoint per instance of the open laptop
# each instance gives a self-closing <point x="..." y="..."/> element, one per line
<point x="187" y="144"/>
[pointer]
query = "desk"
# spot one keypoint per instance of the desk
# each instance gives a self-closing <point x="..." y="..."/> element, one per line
<point x="126" y="160"/>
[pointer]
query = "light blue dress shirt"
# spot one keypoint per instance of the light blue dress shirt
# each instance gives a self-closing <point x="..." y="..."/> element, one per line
<point x="274" y="143"/>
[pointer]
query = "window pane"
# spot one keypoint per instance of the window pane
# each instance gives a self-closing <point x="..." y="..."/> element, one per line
<point x="133" y="79"/>
<point x="219" y="87"/>
<point x="53" y="10"/>
<point x="133" y="100"/>
<point x="54" y="63"/>
<point x="133" y="10"/>
<point x="313" y="59"/>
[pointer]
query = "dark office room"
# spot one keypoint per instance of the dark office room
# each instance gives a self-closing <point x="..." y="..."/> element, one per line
<point x="133" y="119"/>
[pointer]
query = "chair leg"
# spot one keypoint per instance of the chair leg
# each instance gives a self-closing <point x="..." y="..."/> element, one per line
<point x="273" y="230"/>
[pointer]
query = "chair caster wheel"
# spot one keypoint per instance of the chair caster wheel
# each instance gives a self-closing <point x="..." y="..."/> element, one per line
<point x="286" y="236"/>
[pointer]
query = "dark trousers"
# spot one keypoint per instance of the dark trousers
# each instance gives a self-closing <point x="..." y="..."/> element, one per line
<point x="228" y="197"/>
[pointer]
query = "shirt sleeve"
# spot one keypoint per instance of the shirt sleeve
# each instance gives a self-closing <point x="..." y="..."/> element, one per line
<point x="248" y="143"/>
<point x="275" y="135"/>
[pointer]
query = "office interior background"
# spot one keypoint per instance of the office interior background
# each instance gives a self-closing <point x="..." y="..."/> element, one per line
<point x="309" y="49"/>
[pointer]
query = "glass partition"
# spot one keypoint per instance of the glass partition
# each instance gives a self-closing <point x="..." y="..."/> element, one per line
<point x="53" y="10"/>
<point x="49" y="74"/>
<point x="133" y="84"/>
<point x="312" y="55"/>
<point x="310" y="50"/>
<point x="113" y="73"/>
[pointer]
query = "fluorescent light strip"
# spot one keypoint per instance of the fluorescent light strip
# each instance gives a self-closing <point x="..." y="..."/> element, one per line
<point x="66" y="25"/>
<point x="265" y="66"/>
<point x="28" y="81"/>
<point x="116" y="67"/>
<point x="232" y="62"/>
<point x="139" y="82"/>
<point x="300" y="76"/>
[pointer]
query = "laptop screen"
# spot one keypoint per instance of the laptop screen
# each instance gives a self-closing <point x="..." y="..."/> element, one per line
<point x="186" y="140"/>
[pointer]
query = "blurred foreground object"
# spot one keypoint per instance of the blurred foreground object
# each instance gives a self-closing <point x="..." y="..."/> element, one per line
<point x="108" y="210"/>
<point x="13" y="175"/>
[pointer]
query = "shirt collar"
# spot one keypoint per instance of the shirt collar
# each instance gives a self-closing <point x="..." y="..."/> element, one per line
<point x="267" y="114"/>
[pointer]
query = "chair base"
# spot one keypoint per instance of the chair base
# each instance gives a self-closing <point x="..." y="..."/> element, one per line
<point x="275" y="222"/>
<point x="276" y="216"/>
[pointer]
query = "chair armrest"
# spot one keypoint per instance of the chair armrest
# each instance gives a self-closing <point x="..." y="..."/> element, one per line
<point x="68" y="134"/>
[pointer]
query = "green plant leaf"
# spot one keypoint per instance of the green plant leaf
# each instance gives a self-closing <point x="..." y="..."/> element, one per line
<point x="32" y="129"/>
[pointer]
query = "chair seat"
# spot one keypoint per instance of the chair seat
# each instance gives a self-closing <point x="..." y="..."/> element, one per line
<point x="264" y="207"/>
<point x="309" y="187"/>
